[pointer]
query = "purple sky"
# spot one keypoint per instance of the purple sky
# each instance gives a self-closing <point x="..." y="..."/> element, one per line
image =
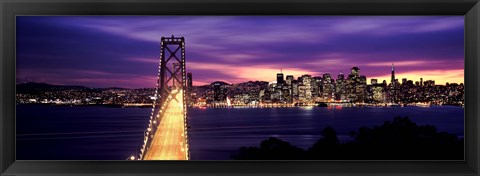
<point x="122" y="51"/>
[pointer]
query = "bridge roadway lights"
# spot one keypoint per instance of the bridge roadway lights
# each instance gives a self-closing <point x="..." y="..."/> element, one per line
<point x="168" y="109"/>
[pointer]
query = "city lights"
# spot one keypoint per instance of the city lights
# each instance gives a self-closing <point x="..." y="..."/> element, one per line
<point x="348" y="90"/>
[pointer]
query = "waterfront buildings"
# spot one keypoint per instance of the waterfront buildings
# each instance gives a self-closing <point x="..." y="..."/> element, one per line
<point x="306" y="89"/>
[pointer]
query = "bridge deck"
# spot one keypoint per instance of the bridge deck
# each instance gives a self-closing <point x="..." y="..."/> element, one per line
<point x="169" y="142"/>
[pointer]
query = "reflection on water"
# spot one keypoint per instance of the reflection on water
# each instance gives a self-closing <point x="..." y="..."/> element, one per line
<point x="49" y="132"/>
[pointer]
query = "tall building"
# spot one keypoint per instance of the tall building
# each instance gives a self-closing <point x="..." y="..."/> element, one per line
<point x="219" y="92"/>
<point x="280" y="79"/>
<point x="295" y="89"/>
<point x="189" y="82"/>
<point x="288" y="87"/>
<point x="393" y="86"/>
<point x="189" y="92"/>
<point x="340" y="87"/>
<point x="289" y="79"/>
<point x="305" y="89"/>
<point x="356" y="86"/>
<point x="328" y="87"/>
<point x="393" y="75"/>
<point x="317" y="83"/>
<point x="421" y="81"/>
<point x="361" y="89"/>
<point x="216" y="92"/>
<point x="350" y="84"/>
<point x="373" y="81"/>
<point x="355" y="71"/>
<point x="378" y="93"/>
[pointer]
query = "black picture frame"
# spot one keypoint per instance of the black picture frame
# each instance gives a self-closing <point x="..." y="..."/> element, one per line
<point x="11" y="8"/>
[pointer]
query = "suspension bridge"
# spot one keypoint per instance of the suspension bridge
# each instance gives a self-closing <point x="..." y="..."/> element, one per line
<point x="166" y="137"/>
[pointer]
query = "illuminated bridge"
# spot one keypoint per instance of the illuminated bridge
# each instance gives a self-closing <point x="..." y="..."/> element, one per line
<point x="166" y="136"/>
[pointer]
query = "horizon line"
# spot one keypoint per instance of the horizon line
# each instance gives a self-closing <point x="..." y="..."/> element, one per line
<point x="55" y="84"/>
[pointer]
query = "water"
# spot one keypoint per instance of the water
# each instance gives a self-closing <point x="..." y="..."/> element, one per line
<point x="106" y="133"/>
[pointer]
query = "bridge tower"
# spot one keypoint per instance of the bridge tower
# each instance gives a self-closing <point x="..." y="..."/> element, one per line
<point x="166" y="136"/>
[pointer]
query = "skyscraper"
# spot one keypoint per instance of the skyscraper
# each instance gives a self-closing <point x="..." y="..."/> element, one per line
<point x="289" y="79"/>
<point x="361" y="88"/>
<point x="393" y="76"/>
<point x="340" y="87"/>
<point x="280" y="79"/>
<point x="393" y="86"/>
<point x="219" y="91"/>
<point x="305" y="90"/>
<point x="317" y="83"/>
<point x="328" y="87"/>
<point x="355" y="86"/>
<point x="295" y="89"/>
<point x="377" y="93"/>
<point x="355" y="71"/>
<point x="189" y="91"/>
<point x="216" y="92"/>
<point x="189" y="82"/>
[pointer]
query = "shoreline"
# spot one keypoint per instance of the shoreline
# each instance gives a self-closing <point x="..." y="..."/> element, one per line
<point x="233" y="106"/>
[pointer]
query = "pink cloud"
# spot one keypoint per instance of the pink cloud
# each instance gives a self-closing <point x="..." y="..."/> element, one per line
<point x="143" y="60"/>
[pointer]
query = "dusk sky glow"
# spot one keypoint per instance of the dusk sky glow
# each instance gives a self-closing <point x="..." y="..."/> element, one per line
<point x="123" y="51"/>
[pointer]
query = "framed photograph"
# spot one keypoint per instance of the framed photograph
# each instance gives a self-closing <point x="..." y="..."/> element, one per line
<point x="226" y="88"/>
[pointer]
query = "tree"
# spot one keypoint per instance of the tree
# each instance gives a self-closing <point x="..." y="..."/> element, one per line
<point x="395" y="140"/>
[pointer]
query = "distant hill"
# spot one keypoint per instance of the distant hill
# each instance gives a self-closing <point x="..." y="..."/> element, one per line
<point x="219" y="82"/>
<point x="32" y="87"/>
<point x="116" y="88"/>
<point x="248" y="83"/>
<point x="253" y="83"/>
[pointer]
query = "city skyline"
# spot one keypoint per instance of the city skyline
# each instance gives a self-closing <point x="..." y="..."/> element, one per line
<point x="272" y="81"/>
<point x="104" y="52"/>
